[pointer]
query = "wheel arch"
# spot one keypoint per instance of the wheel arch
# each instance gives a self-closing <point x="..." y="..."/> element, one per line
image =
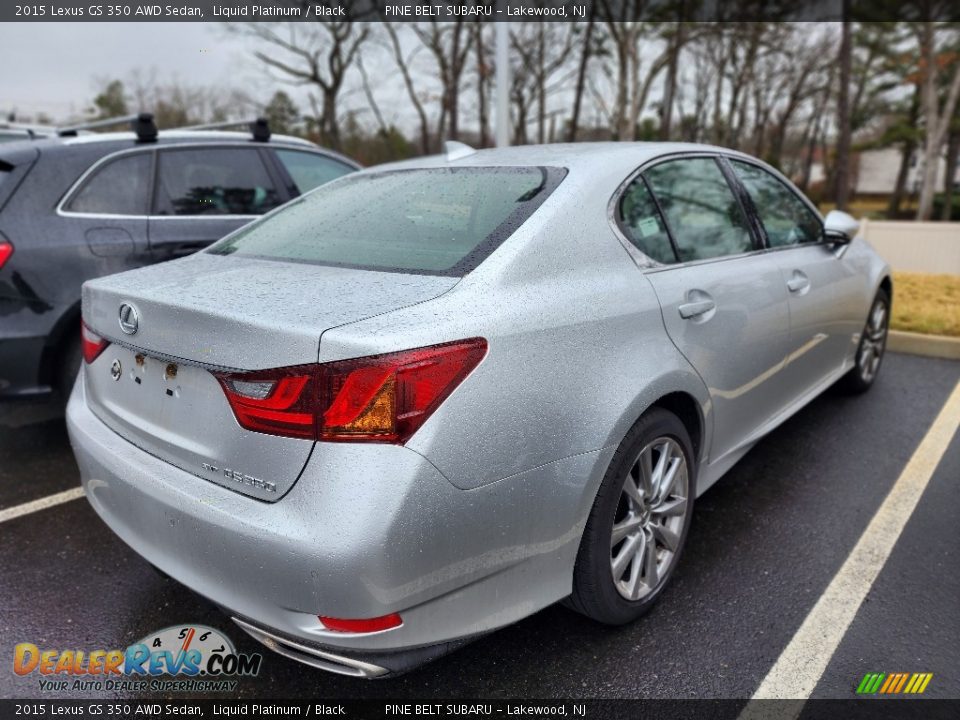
<point x="886" y="283"/>
<point x="689" y="412"/>
<point x="65" y="330"/>
<point x="682" y="392"/>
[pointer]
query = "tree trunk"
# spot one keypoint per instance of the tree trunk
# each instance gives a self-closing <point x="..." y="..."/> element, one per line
<point x="953" y="151"/>
<point x="581" y="76"/>
<point x="896" y="199"/>
<point x="841" y="178"/>
<point x="482" y="87"/>
<point x="670" y="83"/>
<point x="937" y="118"/>
<point x="411" y="90"/>
<point x="330" y="123"/>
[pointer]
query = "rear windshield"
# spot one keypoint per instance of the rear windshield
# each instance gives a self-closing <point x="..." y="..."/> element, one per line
<point x="441" y="221"/>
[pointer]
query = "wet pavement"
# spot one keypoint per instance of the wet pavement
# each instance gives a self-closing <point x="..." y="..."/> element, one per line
<point x="765" y="542"/>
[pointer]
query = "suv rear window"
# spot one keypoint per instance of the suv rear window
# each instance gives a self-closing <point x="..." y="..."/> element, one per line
<point x="118" y="188"/>
<point x="214" y="181"/>
<point x="441" y="221"/>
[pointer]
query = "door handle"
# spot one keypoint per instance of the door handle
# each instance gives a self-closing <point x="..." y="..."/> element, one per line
<point x="696" y="308"/>
<point x="798" y="283"/>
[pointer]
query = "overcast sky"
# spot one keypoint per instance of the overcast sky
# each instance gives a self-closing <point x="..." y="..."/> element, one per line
<point x="58" y="68"/>
<point x="54" y="67"/>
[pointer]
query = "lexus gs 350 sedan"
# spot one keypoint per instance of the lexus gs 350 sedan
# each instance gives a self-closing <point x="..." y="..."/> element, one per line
<point x="429" y="399"/>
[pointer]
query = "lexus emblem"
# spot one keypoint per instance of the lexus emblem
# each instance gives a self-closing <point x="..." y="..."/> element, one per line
<point x="129" y="319"/>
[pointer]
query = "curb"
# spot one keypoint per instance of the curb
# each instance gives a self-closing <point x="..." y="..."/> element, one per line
<point x="939" y="346"/>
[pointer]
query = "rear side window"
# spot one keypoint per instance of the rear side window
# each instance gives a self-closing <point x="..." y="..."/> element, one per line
<point x="120" y="187"/>
<point x="640" y="221"/>
<point x="442" y="221"/>
<point x="786" y="219"/>
<point x="214" y="181"/>
<point x="703" y="214"/>
<point x="310" y="170"/>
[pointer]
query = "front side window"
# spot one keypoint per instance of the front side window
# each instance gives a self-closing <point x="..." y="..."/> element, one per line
<point x="310" y="170"/>
<point x="640" y="221"/>
<point x="702" y="212"/>
<point x="786" y="219"/>
<point x="214" y="181"/>
<point x="120" y="187"/>
<point x="433" y="220"/>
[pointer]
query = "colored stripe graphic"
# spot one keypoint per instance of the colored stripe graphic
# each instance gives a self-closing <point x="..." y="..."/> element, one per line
<point x="894" y="683"/>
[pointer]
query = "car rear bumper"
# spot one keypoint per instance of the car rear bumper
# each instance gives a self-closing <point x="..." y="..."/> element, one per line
<point x="366" y="531"/>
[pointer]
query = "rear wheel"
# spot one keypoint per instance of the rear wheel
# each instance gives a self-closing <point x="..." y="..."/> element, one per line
<point x="873" y="343"/>
<point x="639" y="522"/>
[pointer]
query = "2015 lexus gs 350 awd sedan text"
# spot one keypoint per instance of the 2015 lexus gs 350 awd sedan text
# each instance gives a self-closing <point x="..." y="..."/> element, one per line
<point x="428" y="399"/>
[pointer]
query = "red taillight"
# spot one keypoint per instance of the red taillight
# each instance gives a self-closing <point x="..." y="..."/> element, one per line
<point x="369" y="625"/>
<point x="6" y="250"/>
<point x="382" y="398"/>
<point x="92" y="343"/>
<point x="278" y="402"/>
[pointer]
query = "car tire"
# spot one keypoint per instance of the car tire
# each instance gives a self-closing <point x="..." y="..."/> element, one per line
<point x="68" y="367"/>
<point x="600" y="591"/>
<point x="870" y="351"/>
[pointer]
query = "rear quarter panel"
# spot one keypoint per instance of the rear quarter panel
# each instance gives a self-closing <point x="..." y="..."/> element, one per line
<point x="577" y="348"/>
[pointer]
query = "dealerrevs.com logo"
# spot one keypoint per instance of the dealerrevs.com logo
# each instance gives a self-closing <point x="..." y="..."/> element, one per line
<point x="181" y="657"/>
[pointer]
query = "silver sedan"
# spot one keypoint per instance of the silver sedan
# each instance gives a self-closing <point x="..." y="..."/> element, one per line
<point x="429" y="399"/>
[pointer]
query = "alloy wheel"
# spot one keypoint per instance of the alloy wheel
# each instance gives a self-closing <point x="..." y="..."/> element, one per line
<point x="873" y="343"/>
<point x="649" y="520"/>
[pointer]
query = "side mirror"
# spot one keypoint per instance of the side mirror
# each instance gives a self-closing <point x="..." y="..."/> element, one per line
<point x="839" y="227"/>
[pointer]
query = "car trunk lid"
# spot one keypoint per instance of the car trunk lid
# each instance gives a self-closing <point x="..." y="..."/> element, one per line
<point x="156" y="387"/>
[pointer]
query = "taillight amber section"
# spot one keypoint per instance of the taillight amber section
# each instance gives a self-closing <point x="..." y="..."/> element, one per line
<point x="380" y="398"/>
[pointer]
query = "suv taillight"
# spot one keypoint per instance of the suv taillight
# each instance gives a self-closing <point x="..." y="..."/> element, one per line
<point x="381" y="398"/>
<point x="6" y="250"/>
<point x="92" y="343"/>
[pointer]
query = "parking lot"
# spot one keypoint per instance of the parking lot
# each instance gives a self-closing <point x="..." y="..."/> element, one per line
<point x="765" y="544"/>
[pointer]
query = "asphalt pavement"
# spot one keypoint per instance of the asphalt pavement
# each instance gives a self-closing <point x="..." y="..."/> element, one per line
<point x="765" y="543"/>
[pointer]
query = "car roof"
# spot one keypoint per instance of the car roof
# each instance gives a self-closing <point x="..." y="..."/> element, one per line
<point x="101" y="144"/>
<point x="585" y="156"/>
<point x="166" y="136"/>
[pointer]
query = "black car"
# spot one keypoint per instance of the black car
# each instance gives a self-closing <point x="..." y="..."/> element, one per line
<point x="82" y="206"/>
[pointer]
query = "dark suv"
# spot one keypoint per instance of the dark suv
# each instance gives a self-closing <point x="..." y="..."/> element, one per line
<point x="75" y="208"/>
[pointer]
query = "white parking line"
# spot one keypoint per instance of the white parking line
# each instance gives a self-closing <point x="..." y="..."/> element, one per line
<point x="803" y="661"/>
<point x="41" y="504"/>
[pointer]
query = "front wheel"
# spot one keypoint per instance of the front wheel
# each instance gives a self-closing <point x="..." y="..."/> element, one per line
<point x="638" y="524"/>
<point x="873" y="343"/>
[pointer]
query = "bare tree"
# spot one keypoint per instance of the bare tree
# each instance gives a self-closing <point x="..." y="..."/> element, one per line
<point x="587" y="50"/>
<point x="404" y="64"/>
<point x="841" y="178"/>
<point x="938" y="108"/>
<point x="317" y="54"/>
<point x="449" y="43"/>
<point x="541" y="50"/>
<point x="484" y="72"/>
<point x="175" y="103"/>
<point x="632" y="81"/>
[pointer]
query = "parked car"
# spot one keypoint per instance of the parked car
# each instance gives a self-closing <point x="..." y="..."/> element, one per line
<point x="432" y="398"/>
<point x="85" y="205"/>
<point x="13" y="132"/>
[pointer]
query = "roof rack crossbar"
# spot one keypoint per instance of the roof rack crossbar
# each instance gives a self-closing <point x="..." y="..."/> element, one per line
<point x="94" y="124"/>
<point x="142" y="124"/>
<point x="259" y="127"/>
